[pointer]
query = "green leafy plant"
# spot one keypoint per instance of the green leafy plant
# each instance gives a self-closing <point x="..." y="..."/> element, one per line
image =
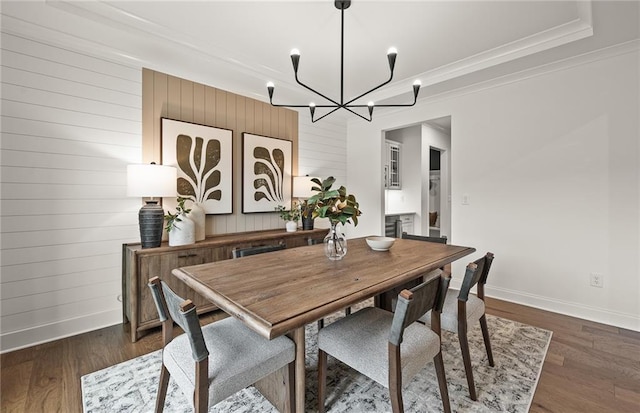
<point x="173" y="218"/>
<point x="334" y="204"/>
<point x="292" y="214"/>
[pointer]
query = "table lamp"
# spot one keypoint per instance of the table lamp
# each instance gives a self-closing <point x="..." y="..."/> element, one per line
<point x="151" y="181"/>
<point x="302" y="190"/>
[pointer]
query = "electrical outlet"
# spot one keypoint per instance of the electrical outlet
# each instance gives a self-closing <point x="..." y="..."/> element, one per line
<point x="465" y="199"/>
<point x="597" y="279"/>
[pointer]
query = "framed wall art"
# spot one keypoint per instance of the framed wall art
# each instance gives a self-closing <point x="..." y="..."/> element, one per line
<point x="266" y="173"/>
<point x="203" y="156"/>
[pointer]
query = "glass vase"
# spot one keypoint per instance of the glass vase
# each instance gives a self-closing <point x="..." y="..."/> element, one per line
<point x="335" y="243"/>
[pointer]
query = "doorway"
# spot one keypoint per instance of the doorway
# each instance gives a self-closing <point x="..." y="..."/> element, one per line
<point x="422" y="199"/>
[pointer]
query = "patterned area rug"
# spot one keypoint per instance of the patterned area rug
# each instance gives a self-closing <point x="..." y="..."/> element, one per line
<point x="518" y="351"/>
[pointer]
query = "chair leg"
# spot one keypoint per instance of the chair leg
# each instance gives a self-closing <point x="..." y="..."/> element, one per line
<point x="322" y="379"/>
<point x="442" y="382"/>
<point x="320" y="324"/>
<point x="162" y="389"/>
<point x="395" y="379"/>
<point x="347" y="311"/>
<point x="485" y="335"/>
<point x="201" y="393"/>
<point x="466" y="357"/>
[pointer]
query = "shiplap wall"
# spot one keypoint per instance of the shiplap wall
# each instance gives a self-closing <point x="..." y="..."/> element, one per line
<point x="70" y="125"/>
<point x="71" y="122"/>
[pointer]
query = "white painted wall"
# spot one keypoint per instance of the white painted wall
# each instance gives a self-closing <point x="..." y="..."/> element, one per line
<point x="71" y="122"/>
<point x="550" y="161"/>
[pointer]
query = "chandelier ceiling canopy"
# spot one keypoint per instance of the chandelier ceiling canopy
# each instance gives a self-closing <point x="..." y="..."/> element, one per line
<point x="336" y="104"/>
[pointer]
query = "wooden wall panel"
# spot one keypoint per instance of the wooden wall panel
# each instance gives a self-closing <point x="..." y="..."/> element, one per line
<point x="188" y="101"/>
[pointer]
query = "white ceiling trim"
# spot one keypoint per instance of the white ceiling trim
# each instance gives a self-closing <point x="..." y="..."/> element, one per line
<point x="577" y="29"/>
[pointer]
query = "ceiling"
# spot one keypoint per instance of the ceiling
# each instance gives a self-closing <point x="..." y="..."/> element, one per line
<point x="240" y="45"/>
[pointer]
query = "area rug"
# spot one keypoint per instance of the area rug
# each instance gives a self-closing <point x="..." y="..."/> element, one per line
<point x="518" y="351"/>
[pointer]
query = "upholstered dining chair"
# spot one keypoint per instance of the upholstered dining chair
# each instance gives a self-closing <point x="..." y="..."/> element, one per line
<point x="461" y="309"/>
<point x="213" y="362"/>
<point x="245" y="252"/>
<point x="390" y="348"/>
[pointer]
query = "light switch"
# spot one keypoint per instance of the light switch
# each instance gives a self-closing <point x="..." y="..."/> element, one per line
<point x="465" y="199"/>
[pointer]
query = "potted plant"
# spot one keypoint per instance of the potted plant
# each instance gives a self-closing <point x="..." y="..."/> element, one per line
<point x="290" y="216"/>
<point x="180" y="227"/>
<point x="339" y="207"/>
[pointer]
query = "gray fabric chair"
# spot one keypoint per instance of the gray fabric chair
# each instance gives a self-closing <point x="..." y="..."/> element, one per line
<point x="390" y="348"/>
<point x="461" y="309"/>
<point x="213" y="362"/>
<point x="245" y="252"/>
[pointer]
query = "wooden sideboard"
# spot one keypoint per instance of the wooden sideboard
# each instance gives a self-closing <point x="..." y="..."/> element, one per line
<point x="138" y="265"/>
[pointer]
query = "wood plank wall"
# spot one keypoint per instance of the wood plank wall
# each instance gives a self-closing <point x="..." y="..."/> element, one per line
<point x="71" y="122"/>
<point x="175" y="98"/>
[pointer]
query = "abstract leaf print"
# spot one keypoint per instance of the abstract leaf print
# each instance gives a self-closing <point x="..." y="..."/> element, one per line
<point x="269" y="171"/>
<point x="198" y="161"/>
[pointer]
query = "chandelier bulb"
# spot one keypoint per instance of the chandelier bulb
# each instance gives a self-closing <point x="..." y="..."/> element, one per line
<point x="391" y="56"/>
<point x="270" y="87"/>
<point x="416" y="88"/>
<point x="295" y="59"/>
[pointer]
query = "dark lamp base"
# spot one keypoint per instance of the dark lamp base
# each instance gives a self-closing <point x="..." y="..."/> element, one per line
<point x="151" y="220"/>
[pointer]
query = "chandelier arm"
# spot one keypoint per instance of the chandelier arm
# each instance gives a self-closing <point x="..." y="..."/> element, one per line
<point x="290" y="106"/>
<point x="398" y="105"/>
<point x="345" y="107"/>
<point x="315" y="91"/>
<point x="326" y="114"/>
<point x="372" y="90"/>
<point x="342" y="107"/>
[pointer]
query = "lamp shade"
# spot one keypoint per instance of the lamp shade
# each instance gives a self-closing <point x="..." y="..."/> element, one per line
<point x="302" y="187"/>
<point x="151" y="180"/>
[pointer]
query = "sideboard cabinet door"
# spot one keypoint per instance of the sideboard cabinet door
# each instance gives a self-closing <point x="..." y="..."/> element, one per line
<point x="161" y="265"/>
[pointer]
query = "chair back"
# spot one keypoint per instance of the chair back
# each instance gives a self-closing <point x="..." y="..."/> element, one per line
<point x="441" y="240"/>
<point x="173" y="308"/>
<point x="416" y="302"/>
<point x="476" y="273"/>
<point x="244" y="252"/>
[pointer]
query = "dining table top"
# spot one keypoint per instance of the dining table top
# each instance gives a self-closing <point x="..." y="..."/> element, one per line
<point x="280" y="291"/>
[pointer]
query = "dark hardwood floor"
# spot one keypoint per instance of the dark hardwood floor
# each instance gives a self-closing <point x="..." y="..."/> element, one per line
<point x="590" y="367"/>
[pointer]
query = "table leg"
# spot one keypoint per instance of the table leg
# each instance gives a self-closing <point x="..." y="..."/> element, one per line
<point x="298" y="338"/>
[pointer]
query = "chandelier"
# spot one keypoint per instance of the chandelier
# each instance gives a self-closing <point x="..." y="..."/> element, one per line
<point x="349" y="105"/>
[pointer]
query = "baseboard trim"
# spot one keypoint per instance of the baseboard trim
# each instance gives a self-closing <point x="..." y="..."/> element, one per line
<point x="596" y="314"/>
<point x="29" y="337"/>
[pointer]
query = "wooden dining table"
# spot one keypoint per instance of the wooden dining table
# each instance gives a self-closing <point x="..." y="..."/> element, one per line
<point x="281" y="292"/>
